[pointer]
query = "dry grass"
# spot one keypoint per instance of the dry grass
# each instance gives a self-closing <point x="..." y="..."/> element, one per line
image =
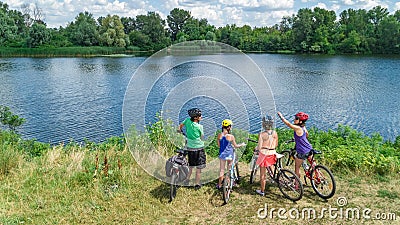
<point x="38" y="194"/>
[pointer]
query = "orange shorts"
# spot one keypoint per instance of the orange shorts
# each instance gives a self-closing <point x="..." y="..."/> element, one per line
<point x="266" y="160"/>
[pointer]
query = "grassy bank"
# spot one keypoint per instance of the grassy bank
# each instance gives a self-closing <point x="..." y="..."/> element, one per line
<point x="68" y="51"/>
<point x="78" y="186"/>
<point x="101" y="183"/>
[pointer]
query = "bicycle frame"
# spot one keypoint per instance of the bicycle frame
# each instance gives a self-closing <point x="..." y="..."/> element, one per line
<point x="321" y="178"/>
<point x="175" y="175"/>
<point x="230" y="179"/>
<point x="310" y="159"/>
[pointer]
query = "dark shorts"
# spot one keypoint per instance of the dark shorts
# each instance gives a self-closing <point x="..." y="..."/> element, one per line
<point x="197" y="158"/>
<point x="302" y="156"/>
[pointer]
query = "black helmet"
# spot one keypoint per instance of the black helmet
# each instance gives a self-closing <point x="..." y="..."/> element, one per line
<point x="194" y="112"/>
<point x="267" y="122"/>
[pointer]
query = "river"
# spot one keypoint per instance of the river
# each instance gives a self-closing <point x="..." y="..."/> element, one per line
<point x="64" y="99"/>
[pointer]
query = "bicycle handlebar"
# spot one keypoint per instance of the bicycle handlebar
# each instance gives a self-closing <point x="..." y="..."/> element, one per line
<point x="289" y="141"/>
<point x="251" y="140"/>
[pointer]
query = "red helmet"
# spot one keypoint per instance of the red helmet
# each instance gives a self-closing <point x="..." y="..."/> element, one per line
<point x="302" y="116"/>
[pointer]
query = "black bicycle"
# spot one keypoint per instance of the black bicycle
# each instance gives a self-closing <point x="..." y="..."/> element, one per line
<point x="289" y="184"/>
<point x="177" y="168"/>
<point x="321" y="178"/>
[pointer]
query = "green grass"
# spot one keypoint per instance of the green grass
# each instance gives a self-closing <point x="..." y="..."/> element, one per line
<point x="68" y="51"/>
<point x="100" y="183"/>
<point x="72" y="187"/>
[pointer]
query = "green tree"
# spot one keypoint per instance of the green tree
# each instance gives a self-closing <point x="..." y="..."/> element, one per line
<point x="153" y="26"/>
<point x="324" y="27"/>
<point x="210" y="36"/>
<point x="84" y="31"/>
<point x="112" y="32"/>
<point x="351" y="43"/>
<point x="176" y="21"/>
<point x="303" y="30"/>
<point x="129" y="24"/>
<point x="388" y="36"/>
<point x="377" y="14"/>
<point x="9" y="30"/>
<point x="397" y="15"/>
<point x="10" y="119"/>
<point x="351" y="20"/>
<point x="59" y="37"/>
<point x="38" y="35"/>
<point x="195" y="29"/>
<point x="140" y="40"/>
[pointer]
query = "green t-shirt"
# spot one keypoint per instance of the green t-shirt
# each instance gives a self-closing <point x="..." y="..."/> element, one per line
<point x="194" y="131"/>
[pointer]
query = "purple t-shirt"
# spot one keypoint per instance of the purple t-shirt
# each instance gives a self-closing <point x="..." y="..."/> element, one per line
<point x="302" y="144"/>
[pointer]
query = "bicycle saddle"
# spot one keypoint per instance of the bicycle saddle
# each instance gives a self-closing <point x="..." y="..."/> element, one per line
<point x="180" y="151"/>
<point x="316" y="151"/>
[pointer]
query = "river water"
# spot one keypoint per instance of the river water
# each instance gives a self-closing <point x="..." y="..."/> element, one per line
<point x="64" y="99"/>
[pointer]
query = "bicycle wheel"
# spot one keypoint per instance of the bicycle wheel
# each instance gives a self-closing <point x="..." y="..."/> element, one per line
<point x="227" y="187"/>
<point x="237" y="173"/>
<point x="254" y="169"/>
<point x="290" y="185"/>
<point x="323" y="182"/>
<point x="172" y="192"/>
<point x="287" y="160"/>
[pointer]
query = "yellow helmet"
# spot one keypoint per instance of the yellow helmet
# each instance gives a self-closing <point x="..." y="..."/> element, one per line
<point x="226" y="123"/>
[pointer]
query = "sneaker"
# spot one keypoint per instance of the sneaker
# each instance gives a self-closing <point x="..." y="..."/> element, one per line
<point x="197" y="186"/>
<point x="260" y="192"/>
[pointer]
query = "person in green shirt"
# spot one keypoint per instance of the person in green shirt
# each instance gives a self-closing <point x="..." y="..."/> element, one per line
<point x="195" y="144"/>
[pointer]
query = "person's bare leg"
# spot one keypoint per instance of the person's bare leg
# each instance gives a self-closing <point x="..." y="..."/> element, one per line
<point x="263" y="178"/>
<point x="198" y="176"/>
<point x="221" y="171"/>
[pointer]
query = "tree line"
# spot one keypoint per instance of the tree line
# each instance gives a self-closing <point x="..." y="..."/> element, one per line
<point x="354" y="31"/>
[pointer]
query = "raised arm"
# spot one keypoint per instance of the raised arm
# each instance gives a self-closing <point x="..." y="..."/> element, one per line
<point x="296" y="128"/>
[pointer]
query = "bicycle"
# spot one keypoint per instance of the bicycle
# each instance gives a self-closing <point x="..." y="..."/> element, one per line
<point x="287" y="180"/>
<point x="175" y="166"/>
<point x="231" y="178"/>
<point x="321" y="178"/>
<point x="253" y="166"/>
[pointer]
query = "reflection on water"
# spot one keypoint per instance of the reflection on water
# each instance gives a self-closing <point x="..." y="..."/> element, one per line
<point x="77" y="98"/>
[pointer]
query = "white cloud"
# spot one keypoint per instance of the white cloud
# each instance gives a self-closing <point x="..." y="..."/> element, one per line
<point x="321" y="5"/>
<point x="369" y="4"/>
<point x="271" y="4"/>
<point x="335" y="7"/>
<point x="348" y="2"/>
<point x="218" y="12"/>
<point x="397" y="6"/>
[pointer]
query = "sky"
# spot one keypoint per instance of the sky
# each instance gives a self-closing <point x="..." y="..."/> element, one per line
<point x="255" y="13"/>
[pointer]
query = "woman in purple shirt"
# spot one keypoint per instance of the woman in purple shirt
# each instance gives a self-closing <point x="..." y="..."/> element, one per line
<point x="303" y="146"/>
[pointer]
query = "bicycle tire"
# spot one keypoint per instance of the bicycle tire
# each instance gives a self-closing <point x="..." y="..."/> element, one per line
<point x="172" y="192"/>
<point x="237" y="173"/>
<point x="287" y="160"/>
<point x="290" y="185"/>
<point x="322" y="180"/>
<point x="254" y="169"/>
<point x="227" y="188"/>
